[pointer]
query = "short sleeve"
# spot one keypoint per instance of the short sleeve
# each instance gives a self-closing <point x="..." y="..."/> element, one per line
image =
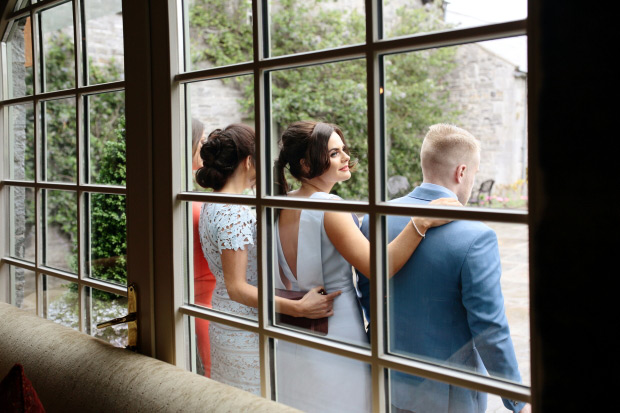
<point x="234" y="227"/>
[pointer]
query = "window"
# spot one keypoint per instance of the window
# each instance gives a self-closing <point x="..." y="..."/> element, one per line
<point x="384" y="74"/>
<point x="381" y="71"/>
<point x="63" y="109"/>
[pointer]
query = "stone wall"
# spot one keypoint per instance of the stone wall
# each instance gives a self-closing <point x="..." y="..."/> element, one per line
<point x="490" y="93"/>
<point x="105" y="39"/>
<point x="17" y="145"/>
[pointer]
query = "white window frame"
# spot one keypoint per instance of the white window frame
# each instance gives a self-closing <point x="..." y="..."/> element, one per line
<point x="82" y="189"/>
<point x="377" y="356"/>
<point x="155" y="200"/>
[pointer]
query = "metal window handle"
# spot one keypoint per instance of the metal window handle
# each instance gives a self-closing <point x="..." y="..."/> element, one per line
<point x="128" y="318"/>
<point x="131" y="319"/>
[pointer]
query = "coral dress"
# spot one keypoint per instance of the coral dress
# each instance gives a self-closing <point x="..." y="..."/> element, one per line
<point x="234" y="352"/>
<point x="204" y="283"/>
<point x="312" y="380"/>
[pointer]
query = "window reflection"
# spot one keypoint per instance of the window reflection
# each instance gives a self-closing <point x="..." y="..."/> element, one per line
<point x="316" y="381"/>
<point x="410" y="393"/>
<point x="462" y="300"/>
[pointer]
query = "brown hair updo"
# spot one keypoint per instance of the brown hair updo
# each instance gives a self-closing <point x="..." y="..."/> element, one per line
<point x="224" y="150"/>
<point x="305" y="140"/>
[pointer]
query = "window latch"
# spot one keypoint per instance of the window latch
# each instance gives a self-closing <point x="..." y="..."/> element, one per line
<point x="131" y="319"/>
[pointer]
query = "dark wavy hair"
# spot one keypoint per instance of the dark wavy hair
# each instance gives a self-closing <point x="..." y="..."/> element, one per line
<point x="223" y="151"/>
<point x="305" y="140"/>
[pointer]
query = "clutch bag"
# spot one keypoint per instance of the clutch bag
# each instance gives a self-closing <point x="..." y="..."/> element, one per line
<point x="316" y="325"/>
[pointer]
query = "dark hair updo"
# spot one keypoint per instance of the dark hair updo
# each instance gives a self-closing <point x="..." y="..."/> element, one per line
<point x="224" y="150"/>
<point x="305" y="140"/>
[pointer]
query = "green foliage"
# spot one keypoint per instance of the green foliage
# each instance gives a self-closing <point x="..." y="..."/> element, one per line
<point x="106" y="159"/>
<point x="336" y="92"/>
<point x="108" y="247"/>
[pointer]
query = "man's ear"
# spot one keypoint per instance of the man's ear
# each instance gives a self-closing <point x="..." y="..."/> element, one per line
<point x="459" y="173"/>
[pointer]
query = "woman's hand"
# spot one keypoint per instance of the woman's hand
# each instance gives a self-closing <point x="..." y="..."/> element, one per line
<point x="317" y="305"/>
<point x="424" y="223"/>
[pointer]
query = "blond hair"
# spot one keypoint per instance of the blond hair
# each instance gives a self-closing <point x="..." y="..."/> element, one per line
<point x="445" y="147"/>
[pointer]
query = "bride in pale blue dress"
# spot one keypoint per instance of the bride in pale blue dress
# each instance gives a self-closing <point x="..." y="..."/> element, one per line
<point x="319" y="248"/>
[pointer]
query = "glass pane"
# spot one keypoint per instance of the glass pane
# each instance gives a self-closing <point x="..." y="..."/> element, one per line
<point x="334" y="93"/>
<point x="231" y="352"/>
<point x="105" y="306"/>
<point x="22" y="221"/>
<point x="216" y="104"/>
<point x="60" y="301"/>
<point x="220" y="232"/>
<point x="406" y="18"/>
<point x="107" y="238"/>
<point x="474" y="87"/>
<point x="19" y="59"/>
<point x="59" y="140"/>
<point x="462" y="299"/>
<point x="104" y="40"/>
<point x="60" y="229"/>
<point x="201" y="278"/>
<point x="24" y="289"/>
<point x="200" y="354"/>
<point x="417" y="394"/>
<point x="106" y="131"/>
<point x="307" y="25"/>
<point x="21" y="134"/>
<point x="57" y="47"/>
<point x="307" y="262"/>
<point x="310" y="380"/>
<point x="217" y="33"/>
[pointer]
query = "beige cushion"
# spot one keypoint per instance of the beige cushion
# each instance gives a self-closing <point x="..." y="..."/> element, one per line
<point x="72" y="371"/>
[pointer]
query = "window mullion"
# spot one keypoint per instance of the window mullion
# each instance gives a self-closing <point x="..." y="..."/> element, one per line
<point x="374" y="197"/>
<point x="260" y="48"/>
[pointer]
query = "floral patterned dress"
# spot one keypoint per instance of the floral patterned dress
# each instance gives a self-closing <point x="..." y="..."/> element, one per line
<point x="234" y="352"/>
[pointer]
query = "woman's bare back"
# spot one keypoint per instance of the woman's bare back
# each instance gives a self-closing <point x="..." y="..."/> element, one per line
<point x="288" y="227"/>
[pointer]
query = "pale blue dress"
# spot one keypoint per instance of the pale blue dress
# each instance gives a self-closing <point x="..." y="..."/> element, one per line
<point x="313" y="380"/>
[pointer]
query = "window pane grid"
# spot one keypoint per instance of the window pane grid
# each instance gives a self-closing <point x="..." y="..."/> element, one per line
<point x="373" y="49"/>
<point x="94" y="283"/>
<point x="79" y="188"/>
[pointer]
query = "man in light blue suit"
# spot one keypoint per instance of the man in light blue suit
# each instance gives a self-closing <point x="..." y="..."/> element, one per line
<point x="446" y="303"/>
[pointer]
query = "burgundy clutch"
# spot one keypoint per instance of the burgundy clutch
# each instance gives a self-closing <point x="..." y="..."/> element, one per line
<point x="316" y="325"/>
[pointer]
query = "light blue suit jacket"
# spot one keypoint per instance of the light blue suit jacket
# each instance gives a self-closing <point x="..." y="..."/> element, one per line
<point x="446" y="306"/>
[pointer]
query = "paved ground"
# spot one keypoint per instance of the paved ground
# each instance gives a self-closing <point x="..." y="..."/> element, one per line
<point x="513" y="249"/>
